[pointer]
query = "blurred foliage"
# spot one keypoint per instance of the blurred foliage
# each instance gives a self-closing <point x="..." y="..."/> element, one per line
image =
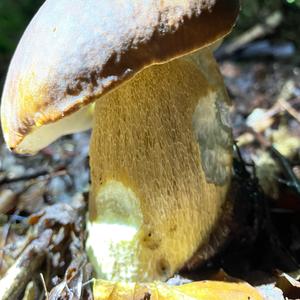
<point x="294" y="2"/>
<point x="14" y="16"/>
<point x="256" y="11"/>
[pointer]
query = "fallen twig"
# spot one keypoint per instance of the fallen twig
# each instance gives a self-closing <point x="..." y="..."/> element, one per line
<point x="290" y="109"/>
<point x="6" y="229"/>
<point x="44" y="286"/>
<point x="258" y="31"/>
<point x="20" y="273"/>
<point x="281" y="104"/>
<point x="44" y="173"/>
<point x="6" y="180"/>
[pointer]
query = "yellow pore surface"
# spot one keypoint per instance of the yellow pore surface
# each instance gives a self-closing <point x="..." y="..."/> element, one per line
<point x="143" y="144"/>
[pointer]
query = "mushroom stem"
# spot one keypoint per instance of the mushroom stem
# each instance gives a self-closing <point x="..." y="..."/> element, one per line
<point x="156" y="196"/>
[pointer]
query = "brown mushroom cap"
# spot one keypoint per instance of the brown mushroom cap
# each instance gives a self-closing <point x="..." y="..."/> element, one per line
<point x="75" y="51"/>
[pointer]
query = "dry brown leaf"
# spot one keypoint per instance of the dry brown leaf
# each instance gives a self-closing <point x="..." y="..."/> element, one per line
<point x="289" y="286"/>
<point x="61" y="213"/>
<point x="217" y="290"/>
<point x="72" y="286"/>
<point x="7" y="200"/>
<point x="202" y="290"/>
<point x="32" y="199"/>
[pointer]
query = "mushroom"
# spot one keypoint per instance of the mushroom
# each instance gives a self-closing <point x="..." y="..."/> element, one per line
<point x="161" y="145"/>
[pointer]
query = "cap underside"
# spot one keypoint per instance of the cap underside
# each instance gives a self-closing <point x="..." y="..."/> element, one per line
<point x="46" y="134"/>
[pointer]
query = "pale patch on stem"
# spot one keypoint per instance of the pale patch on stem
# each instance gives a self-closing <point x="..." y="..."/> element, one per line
<point x="114" y="235"/>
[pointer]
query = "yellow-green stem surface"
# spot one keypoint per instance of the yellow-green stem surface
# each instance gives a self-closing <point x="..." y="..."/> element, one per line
<point x="151" y="206"/>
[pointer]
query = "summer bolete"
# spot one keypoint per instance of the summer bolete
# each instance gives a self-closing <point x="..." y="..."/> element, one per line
<point x="160" y="152"/>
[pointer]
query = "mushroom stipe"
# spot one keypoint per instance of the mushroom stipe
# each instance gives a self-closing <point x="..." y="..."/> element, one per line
<point x="148" y="176"/>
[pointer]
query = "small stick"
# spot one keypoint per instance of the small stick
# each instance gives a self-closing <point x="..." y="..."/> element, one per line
<point x="5" y="234"/>
<point x="252" y="34"/>
<point x="281" y="104"/>
<point x="88" y="282"/>
<point x="44" y="286"/>
<point x="20" y="273"/>
<point x="6" y="180"/>
<point x="290" y="109"/>
<point x="47" y="174"/>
